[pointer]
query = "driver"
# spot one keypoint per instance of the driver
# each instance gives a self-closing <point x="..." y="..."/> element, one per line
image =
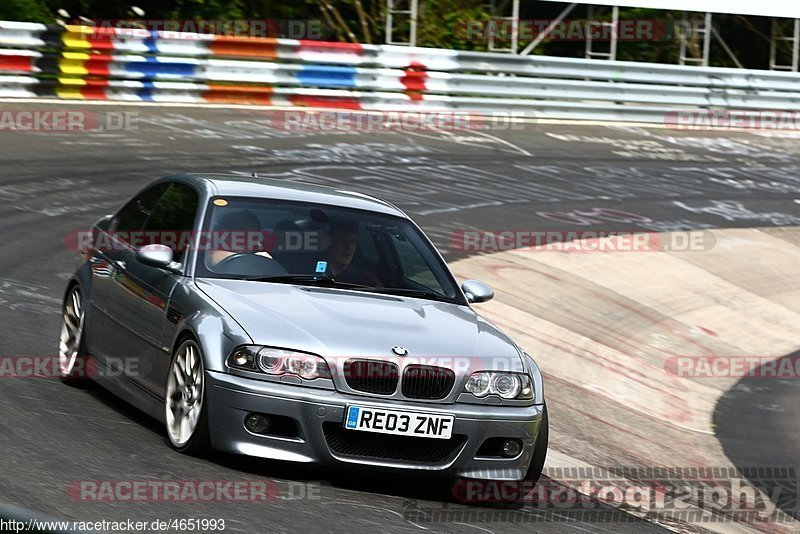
<point x="242" y="222"/>
<point x="340" y="254"/>
<point x="344" y="240"/>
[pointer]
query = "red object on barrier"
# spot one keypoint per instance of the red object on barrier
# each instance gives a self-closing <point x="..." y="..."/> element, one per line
<point x="414" y="80"/>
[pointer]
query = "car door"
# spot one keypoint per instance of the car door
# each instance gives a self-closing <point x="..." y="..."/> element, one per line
<point x="113" y="292"/>
<point x="155" y="318"/>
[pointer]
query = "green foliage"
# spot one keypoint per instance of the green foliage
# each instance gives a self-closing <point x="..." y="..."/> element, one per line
<point x="25" y="10"/>
<point x="442" y="23"/>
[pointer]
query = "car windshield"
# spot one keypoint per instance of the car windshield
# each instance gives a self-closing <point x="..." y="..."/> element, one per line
<point x="281" y="241"/>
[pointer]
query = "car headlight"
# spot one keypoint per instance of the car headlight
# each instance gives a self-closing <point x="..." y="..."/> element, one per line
<point x="273" y="361"/>
<point x="516" y="386"/>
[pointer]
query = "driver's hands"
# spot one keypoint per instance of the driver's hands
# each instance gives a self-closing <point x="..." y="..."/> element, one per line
<point x="216" y="256"/>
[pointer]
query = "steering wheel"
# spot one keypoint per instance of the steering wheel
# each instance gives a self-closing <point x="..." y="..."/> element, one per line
<point x="230" y="259"/>
<point x="250" y="263"/>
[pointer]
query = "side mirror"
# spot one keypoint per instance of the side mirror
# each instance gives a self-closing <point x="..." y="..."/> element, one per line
<point x="158" y="256"/>
<point x="104" y="222"/>
<point x="477" y="291"/>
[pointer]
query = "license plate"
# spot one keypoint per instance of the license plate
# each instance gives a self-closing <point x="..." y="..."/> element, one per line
<point x="399" y="423"/>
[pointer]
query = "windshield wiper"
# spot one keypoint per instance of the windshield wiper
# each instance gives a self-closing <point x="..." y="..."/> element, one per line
<point x="406" y="292"/>
<point x="308" y="279"/>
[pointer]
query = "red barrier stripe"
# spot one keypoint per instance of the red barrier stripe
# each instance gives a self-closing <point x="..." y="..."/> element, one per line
<point x="17" y="63"/>
<point x="95" y="89"/>
<point x="101" y="42"/>
<point x="98" y="65"/>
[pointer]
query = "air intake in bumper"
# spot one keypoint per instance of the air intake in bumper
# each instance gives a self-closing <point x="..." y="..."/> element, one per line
<point x="369" y="445"/>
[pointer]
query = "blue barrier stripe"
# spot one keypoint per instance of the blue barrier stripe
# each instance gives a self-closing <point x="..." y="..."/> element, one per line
<point x="152" y="67"/>
<point x="152" y="42"/>
<point x="327" y="76"/>
<point x="147" y="91"/>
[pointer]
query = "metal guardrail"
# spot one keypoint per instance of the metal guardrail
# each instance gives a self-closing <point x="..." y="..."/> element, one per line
<point x="80" y="62"/>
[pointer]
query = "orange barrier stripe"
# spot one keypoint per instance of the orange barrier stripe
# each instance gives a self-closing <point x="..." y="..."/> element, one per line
<point x="244" y="47"/>
<point x="325" y="102"/>
<point x="336" y="45"/>
<point x="228" y="94"/>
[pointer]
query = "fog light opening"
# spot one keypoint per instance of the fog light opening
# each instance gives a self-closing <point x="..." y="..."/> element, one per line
<point x="511" y="448"/>
<point x="257" y="423"/>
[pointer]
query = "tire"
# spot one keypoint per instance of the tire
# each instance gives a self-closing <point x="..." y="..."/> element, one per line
<point x="185" y="401"/>
<point x="540" y="453"/>
<point x="73" y="359"/>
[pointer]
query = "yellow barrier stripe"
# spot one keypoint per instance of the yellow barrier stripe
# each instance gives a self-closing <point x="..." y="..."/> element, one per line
<point x="72" y="81"/>
<point x="77" y="55"/>
<point x="69" y="93"/>
<point x="74" y="67"/>
<point x="71" y="40"/>
<point x="84" y="30"/>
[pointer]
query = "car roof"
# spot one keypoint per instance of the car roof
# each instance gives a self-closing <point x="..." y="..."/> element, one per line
<point x="251" y="186"/>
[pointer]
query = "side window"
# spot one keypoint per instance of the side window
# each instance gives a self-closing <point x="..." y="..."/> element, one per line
<point x="172" y="220"/>
<point x="133" y="214"/>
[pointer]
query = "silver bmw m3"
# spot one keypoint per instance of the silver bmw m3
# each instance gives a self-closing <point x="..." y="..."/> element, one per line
<point x="299" y="323"/>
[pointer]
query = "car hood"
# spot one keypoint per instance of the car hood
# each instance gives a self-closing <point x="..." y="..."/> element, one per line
<point x="341" y="324"/>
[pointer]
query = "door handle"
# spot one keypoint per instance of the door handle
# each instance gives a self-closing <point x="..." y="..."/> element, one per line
<point x="118" y="265"/>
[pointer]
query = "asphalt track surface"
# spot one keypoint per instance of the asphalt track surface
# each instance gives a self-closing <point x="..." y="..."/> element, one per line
<point x="534" y="177"/>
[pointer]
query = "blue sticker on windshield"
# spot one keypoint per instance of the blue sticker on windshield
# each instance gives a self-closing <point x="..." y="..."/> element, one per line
<point x="322" y="266"/>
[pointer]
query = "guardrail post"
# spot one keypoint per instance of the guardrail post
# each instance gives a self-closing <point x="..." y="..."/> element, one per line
<point x="412" y="13"/>
<point x="777" y="36"/>
<point x="689" y="29"/>
<point x="514" y="19"/>
<point x="613" y="25"/>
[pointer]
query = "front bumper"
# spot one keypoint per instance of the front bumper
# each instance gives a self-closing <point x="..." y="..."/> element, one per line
<point x="230" y="398"/>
